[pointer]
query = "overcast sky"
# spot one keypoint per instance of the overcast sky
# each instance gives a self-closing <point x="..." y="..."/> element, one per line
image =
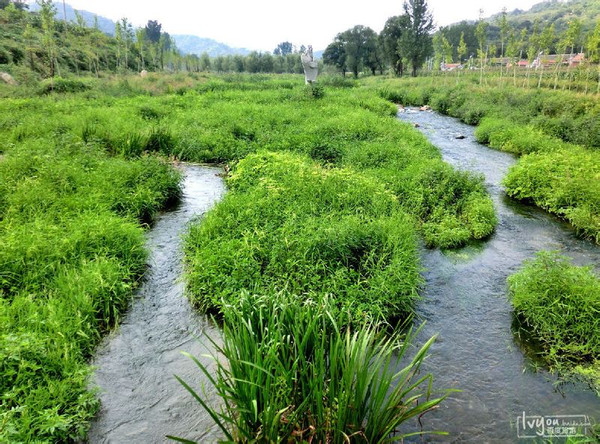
<point x="262" y="24"/>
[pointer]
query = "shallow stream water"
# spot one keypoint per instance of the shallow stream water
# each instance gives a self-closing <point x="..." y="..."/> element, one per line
<point x="141" y="400"/>
<point x="465" y="302"/>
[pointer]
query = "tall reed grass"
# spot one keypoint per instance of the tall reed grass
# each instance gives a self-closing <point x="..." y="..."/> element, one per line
<point x="289" y="370"/>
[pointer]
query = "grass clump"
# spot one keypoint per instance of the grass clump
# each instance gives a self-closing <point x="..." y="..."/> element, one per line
<point x="292" y="372"/>
<point x="289" y="224"/>
<point x="72" y="253"/>
<point x="558" y="304"/>
<point x="563" y="182"/>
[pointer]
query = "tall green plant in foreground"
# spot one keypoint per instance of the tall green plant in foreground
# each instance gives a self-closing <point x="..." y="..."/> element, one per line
<point x="558" y="303"/>
<point x="292" y="372"/>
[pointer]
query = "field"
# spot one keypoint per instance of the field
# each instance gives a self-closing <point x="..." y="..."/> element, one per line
<point x="316" y="243"/>
<point x="82" y="175"/>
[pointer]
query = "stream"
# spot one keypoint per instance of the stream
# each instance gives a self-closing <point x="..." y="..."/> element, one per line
<point x="465" y="301"/>
<point x="141" y="400"/>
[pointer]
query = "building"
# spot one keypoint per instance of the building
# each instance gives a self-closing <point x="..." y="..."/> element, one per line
<point x="553" y="59"/>
<point x="450" y="66"/>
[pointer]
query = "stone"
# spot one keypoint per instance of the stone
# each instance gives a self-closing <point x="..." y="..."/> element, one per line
<point x="425" y="108"/>
<point x="416" y="125"/>
<point x="7" y="78"/>
<point x="459" y="136"/>
<point x="143" y="73"/>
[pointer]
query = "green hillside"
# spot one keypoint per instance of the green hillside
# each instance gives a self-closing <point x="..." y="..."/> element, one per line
<point x="557" y="12"/>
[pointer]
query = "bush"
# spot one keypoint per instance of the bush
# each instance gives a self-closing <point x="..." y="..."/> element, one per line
<point x="315" y="90"/>
<point x="558" y="303"/>
<point x="61" y="86"/>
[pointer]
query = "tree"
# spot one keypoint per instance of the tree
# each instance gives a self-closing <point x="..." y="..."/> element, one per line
<point x="504" y="29"/>
<point x="335" y="54"/>
<point x="546" y="41"/>
<point x="463" y="30"/>
<point x="283" y="49"/>
<point x="18" y="4"/>
<point x="593" y="46"/>
<point x="480" y="33"/>
<point x="47" y="14"/>
<point x="140" y="38"/>
<point x="205" y="62"/>
<point x="390" y="37"/>
<point x="127" y="38"/>
<point x="359" y="44"/>
<point x="416" y="42"/>
<point x="462" y="48"/>
<point x="153" y="31"/>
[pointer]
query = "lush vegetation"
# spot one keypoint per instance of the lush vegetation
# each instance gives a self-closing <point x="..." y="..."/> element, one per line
<point x="558" y="132"/>
<point x="558" y="304"/>
<point x="294" y="373"/>
<point x="320" y="223"/>
<point x="224" y="119"/>
<point x="288" y="224"/>
<point x="328" y="195"/>
<point x="72" y="252"/>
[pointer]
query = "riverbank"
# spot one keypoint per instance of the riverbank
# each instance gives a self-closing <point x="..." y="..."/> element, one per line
<point x="556" y="132"/>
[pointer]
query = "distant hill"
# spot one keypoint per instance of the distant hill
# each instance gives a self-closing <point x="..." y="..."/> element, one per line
<point x="191" y="44"/>
<point x="557" y="12"/>
<point x="106" y="25"/>
<point x="187" y="44"/>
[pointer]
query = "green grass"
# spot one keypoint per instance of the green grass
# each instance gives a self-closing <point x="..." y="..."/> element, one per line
<point x="328" y="197"/>
<point x="223" y="119"/>
<point x="564" y="182"/>
<point x="288" y="371"/>
<point x="557" y="132"/>
<point x="289" y="224"/>
<point x="72" y="253"/>
<point x="558" y="304"/>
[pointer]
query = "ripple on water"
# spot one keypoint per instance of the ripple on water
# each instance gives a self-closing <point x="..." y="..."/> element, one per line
<point x="465" y="302"/>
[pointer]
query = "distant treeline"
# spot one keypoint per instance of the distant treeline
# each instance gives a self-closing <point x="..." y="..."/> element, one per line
<point x="39" y="43"/>
<point x="408" y="40"/>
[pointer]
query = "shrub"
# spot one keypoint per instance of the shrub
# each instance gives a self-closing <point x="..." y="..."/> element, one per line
<point x="558" y="303"/>
<point x="61" y="85"/>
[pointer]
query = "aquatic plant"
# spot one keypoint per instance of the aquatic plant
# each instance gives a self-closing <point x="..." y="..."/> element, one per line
<point x="289" y="370"/>
<point x="558" y="304"/>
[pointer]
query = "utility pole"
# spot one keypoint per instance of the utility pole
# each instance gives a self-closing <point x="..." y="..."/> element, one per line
<point x="64" y="12"/>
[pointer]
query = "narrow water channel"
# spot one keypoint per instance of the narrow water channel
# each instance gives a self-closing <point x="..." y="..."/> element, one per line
<point x="141" y="400"/>
<point x="465" y="302"/>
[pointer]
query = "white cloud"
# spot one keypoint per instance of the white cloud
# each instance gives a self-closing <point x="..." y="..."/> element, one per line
<point x="262" y="24"/>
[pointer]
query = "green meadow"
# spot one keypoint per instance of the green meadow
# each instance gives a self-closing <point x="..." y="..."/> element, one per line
<point x="328" y="199"/>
